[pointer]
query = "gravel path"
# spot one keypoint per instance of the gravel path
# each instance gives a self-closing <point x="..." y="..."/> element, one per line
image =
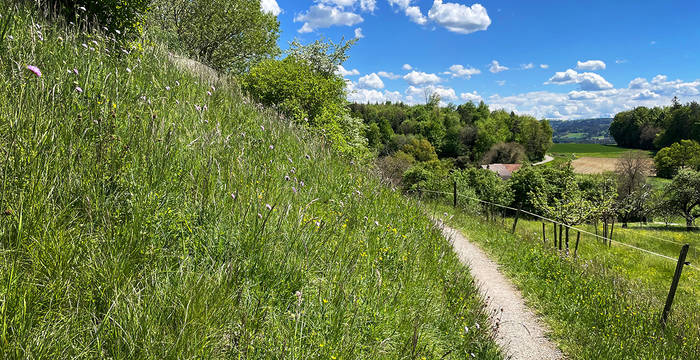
<point x="519" y="333"/>
<point x="547" y="159"/>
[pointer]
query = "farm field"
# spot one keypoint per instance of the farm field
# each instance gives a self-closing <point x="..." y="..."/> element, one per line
<point x="606" y="303"/>
<point x="590" y="158"/>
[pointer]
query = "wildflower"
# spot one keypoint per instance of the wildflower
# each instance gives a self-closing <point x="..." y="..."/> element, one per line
<point x="12" y="37"/>
<point x="82" y="8"/>
<point x="209" y="93"/>
<point x="286" y="178"/>
<point x="34" y="69"/>
<point x="294" y="189"/>
<point x="167" y="88"/>
<point x="177" y="83"/>
<point x="177" y="101"/>
<point x="198" y="108"/>
<point x="301" y="183"/>
<point x="118" y="32"/>
<point x="466" y="329"/>
<point x="376" y="222"/>
<point x="205" y="107"/>
<point x="260" y="215"/>
<point x="233" y="196"/>
<point x="213" y="88"/>
<point x="269" y="208"/>
<point x="293" y="170"/>
<point x="290" y="160"/>
<point x="477" y="326"/>
<point x="262" y="127"/>
<point x="307" y="157"/>
<point x="75" y="71"/>
<point x="272" y="147"/>
<point x="79" y="89"/>
<point x="318" y="224"/>
<point x="128" y="70"/>
<point x="84" y="45"/>
<point x="95" y="42"/>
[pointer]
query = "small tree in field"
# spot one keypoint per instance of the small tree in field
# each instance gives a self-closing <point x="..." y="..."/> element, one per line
<point x="634" y="194"/>
<point x="683" y="195"/>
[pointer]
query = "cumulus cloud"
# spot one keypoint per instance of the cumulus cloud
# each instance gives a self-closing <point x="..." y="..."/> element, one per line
<point x="322" y="16"/>
<point x="371" y="81"/>
<point x="270" y="6"/>
<point x="590" y="65"/>
<point x="472" y="96"/>
<point x="496" y="67"/>
<point x="358" y="33"/>
<point x="582" y="95"/>
<point x="638" y="83"/>
<point x="588" y="81"/>
<point x="343" y="72"/>
<point x="646" y="95"/>
<point x="388" y="75"/>
<point x="463" y="72"/>
<point x="414" y="13"/>
<point x="420" y="78"/>
<point x="359" y="95"/>
<point x="527" y="66"/>
<point x="368" y="5"/>
<point x="459" y="18"/>
<point x="407" y="67"/>
<point x="544" y="66"/>
<point x="420" y="94"/>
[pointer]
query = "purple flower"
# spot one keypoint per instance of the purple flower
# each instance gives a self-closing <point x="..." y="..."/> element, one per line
<point x="198" y="108"/>
<point x="75" y="71"/>
<point x="269" y="208"/>
<point x="79" y="89"/>
<point x="209" y="93"/>
<point x="294" y="189"/>
<point x="262" y="127"/>
<point x="286" y="178"/>
<point x="272" y="147"/>
<point x="34" y="69"/>
<point x="301" y="183"/>
<point x="167" y="88"/>
<point x="307" y="157"/>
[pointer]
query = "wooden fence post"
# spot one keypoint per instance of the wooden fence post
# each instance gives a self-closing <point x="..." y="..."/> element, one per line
<point x="578" y="237"/>
<point x="612" y="227"/>
<point x="674" y="283"/>
<point x="544" y="237"/>
<point x="555" y="234"/>
<point x="517" y="215"/>
<point x="567" y="240"/>
<point x="454" y="193"/>
<point x="561" y="229"/>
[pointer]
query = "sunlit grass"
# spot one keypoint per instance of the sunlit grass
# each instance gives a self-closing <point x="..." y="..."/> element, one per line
<point x="148" y="213"/>
<point x="606" y="303"/>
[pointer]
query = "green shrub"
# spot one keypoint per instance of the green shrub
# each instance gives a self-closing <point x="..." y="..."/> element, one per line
<point x="122" y="17"/>
<point x="685" y="153"/>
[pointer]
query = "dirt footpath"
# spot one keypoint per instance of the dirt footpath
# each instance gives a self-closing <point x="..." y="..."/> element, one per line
<point x="520" y="333"/>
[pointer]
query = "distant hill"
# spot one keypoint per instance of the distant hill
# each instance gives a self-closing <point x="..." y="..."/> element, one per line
<point x="584" y="131"/>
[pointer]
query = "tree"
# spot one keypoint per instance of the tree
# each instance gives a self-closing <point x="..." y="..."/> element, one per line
<point x="524" y="182"/>
<point x="505" y="153"/>
<point x="632" y="169"/>
<point x="323" y="56"/>
<point x="124" y="16"/>
<point x="669" y="160"/>
<point x="683" y="194"/>
<point x="229" y="35"/>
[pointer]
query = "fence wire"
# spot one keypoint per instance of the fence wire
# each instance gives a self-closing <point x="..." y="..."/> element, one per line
<point x="565" y="225"/>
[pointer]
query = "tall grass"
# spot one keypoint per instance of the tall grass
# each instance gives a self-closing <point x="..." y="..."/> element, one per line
<point x="150" y="214"/>
<point x="606" y="303"/>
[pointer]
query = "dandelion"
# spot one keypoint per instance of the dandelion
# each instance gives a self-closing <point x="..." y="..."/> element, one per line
<point x="79" y="89"/>
<point x="269" y="208"/>
<point x="34" y="69"/>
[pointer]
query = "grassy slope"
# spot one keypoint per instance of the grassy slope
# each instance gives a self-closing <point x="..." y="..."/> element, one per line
<point x="138" y="226"/>
<point x="590" y="150"/>
<point x="605" y="305"/>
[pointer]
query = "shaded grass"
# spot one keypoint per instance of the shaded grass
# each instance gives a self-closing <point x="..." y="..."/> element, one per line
<point x="604" y="305"/>
<point x="146" y="218"/>
<point x="591" y="150"/>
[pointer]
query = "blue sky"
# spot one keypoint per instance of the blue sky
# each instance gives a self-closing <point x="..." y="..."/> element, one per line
<point x="551" y="59"/>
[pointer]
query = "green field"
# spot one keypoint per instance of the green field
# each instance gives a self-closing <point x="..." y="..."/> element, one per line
<point x="591" y="150"/>
<point x="605" y="304"/>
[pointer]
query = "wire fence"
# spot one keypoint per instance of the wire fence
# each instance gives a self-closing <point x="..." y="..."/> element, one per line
<point x="604" y="238"/>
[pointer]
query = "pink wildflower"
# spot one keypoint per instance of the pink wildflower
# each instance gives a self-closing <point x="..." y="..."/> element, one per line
<point x="79" y="89"/>
<point x="268" y="207"/>
<point x="34" y="69"/>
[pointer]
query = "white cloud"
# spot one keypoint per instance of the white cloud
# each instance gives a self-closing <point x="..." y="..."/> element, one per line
<point x="420" y="94"/>
<point x="646" y="95"/>
<point x="371" y="81"/>
<point x="459" y="18"/>
<point x="402" y="4"/>
<point x="322" y="16"/>
<point x="496" y="67"/>
<point x="544" y="66"/>
<point x="270" y="6"/>
<point x="527" y="66"/>
<point x="620" y="61"/>
<point x="371" y="95"/>
<point x="461" y="71"/>
<point x="590" y="65"/>
<point x="472" y="96"/>
<point x="368" y="5"/>
<point x="358" y="33"/>
<point x="638" y="83"/>
<point x="500" y="82"/>
<point x="582" y="95"/>
<point x="588" y="81"/>
<point x="343" y="72"/>
<point x="414" y="13"/>
<point x="388" y="75"/>
<point x="407" y="67"/>
<point x="420" y="78"/>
